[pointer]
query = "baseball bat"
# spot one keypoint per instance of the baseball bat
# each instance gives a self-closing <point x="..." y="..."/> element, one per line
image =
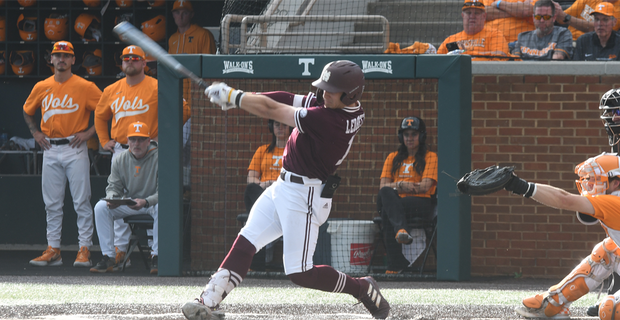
<point x="132" y="35"/>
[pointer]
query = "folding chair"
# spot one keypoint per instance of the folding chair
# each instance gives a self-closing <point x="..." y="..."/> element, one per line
<point x="138" y="224"/>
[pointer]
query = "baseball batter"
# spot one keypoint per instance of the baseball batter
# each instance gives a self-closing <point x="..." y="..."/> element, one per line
<point x="66" y="102"/>
<point x="300" y="200"/>
<point x="124" y="102"/>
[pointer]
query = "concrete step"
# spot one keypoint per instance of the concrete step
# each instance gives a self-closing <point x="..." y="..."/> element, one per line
<point x="406" y="33"/>
<point x="424" y="10"/>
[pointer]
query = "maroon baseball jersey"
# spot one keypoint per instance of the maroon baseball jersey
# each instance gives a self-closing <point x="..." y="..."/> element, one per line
<point x="322" y="137"/>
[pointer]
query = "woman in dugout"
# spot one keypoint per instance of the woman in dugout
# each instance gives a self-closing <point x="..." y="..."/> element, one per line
<point x="408" y="181"/>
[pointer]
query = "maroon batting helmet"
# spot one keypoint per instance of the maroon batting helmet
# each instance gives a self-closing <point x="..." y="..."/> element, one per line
<point x="342" y="76"/>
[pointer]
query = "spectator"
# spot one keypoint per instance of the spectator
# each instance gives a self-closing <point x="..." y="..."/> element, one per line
<point x="476" y="38"/>
<point x="510" y="17"/>
<point x="264" y="170"/>
<point x="603" y="43"/>
<point x="136" y="92"/>
<point x="66" y="102"/>
<point x="577" y="17"/>
<point x="408" y="180"/>
<point x="547" y="42"/>
<point x="134" y="175"/>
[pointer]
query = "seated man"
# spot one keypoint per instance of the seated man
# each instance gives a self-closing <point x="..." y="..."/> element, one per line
<point x="510" y="17"/>
<point x="476" y="38"/>
<point x="577" y="17"/>
<point x="602" y="43"/>
<point x="134" y="175"/>
<point x="547" y="42"/>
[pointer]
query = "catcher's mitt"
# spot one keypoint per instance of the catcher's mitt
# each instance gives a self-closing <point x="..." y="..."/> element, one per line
<point x="485" y="181"/>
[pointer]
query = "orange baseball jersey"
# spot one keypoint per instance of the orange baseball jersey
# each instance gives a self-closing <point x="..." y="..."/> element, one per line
<point x="268" y="164"/>
<point x="486" y="42"/>
<point x="407" y="172"/>
<point x="606" y="210"/>
<point x="125" y="104"/>
<point x="65" y="107"/>
<point x="510" y="27"/>
<point x="582" y="9"/>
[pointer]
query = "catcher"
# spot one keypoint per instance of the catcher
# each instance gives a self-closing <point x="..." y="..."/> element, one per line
<point x="599" y="185"/>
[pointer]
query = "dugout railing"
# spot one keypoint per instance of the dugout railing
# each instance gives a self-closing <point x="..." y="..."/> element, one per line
<point x="453" y="74"/>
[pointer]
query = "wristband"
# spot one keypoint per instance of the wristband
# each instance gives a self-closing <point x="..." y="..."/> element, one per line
<point x="497" y="4"/>
<point x="235" y="97"/>
<point x="531" y="190"/>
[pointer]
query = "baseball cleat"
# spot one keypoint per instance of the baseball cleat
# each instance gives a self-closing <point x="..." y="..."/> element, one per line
<point x="83" y="258"/>
<point x="196" y="310"/>
<point x="539" y="313"/>
<point x="105" y="265"/>
<point x="120" y="256"/>
<point x="50" y="258"/>
<point x="593" y="310"/>
<point x="374" y="301"/>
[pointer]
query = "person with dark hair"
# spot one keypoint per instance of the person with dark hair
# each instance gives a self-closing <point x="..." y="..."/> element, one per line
<point x="408" y="180"/>
<point x="263" y="171"/>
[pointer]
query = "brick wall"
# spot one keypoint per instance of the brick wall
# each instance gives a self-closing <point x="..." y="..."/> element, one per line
<point x="543" y="125"/>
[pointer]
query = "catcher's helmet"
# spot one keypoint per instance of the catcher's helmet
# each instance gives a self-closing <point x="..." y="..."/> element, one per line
<point x="124" y="3"/>
<point x="22" y="62"/>
<point x="610" y="104"/>
<point x="342" y="76"/>
<point x="56" y="27"/>
<point x="27" y="3"/>
<point x="594" y="175"/>
<point x="414" y="123"/>
<point x="92" y="62"/>
<point x="2" y="62"/>
<point x="27" y="27"/>
<point x="2" y="28"/>
<point x="92" y="3"/>
<point x="87" y="26"/>
<point x="155" y="28"/>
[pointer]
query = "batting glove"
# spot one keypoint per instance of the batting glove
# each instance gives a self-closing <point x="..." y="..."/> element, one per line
<point x="224" y="96"/>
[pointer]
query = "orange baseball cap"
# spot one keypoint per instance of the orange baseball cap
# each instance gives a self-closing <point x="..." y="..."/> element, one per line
<point x="182" y="4"/>
<point x="604" y="8"/>
<point x="475" y="4"/>
<point x="135" y="51"/>
<point x="63" y="47"/>
<point x="138" y="129"/>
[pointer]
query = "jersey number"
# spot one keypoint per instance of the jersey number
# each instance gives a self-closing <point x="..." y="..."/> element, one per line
<point x="347" y="152"/>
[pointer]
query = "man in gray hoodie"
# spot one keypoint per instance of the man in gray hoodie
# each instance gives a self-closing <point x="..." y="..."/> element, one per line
<point x="133" y="176"/>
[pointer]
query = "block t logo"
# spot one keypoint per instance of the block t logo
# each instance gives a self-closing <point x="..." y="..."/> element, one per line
<point x="137" y="127"/>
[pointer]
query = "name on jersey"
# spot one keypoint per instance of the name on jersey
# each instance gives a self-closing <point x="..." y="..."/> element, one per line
<point x="377" y="66"/>
<point x="52" y="106"/>
<point x="126" y="108"/>
<point x="355" y="124"/>
<point x="536" y="52"/>
<point x="238" y="66"/>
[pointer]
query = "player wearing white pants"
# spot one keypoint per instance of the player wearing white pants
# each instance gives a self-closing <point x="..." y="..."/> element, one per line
<point x="122" y="232"/>
<point x="300" y="200"/>
<point x="66" y="102"/>
<point x="105" y="218"/>
<point x="62" y="162"/>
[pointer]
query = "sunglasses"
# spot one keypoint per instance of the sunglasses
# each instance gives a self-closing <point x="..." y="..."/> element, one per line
<point x="546" y="17"/>
<point x="131" y="58"/>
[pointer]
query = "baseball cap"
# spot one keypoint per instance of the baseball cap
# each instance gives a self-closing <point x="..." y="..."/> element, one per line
<point x="133" y="50"/>
<point x="604" y="8"/>
<point x="182" y="4"/>
<point x="138" y="129"/>
<point x="476" y="4"/>
<point x="63" y="47"/>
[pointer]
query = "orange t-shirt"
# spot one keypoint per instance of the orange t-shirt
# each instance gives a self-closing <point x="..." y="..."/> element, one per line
<point x="125" y="104"/>
<point x="407" y="172"/>
<point x="267" y="164"/>
<point x="582" y="9"/>
<point x="510" y="27"/>
<point x="65" y="107"/>
<point x="482" y="43"/>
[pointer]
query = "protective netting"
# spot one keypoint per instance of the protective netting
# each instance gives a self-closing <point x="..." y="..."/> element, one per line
<point x="221" y="148"/>
<point x="485" y="29"/>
